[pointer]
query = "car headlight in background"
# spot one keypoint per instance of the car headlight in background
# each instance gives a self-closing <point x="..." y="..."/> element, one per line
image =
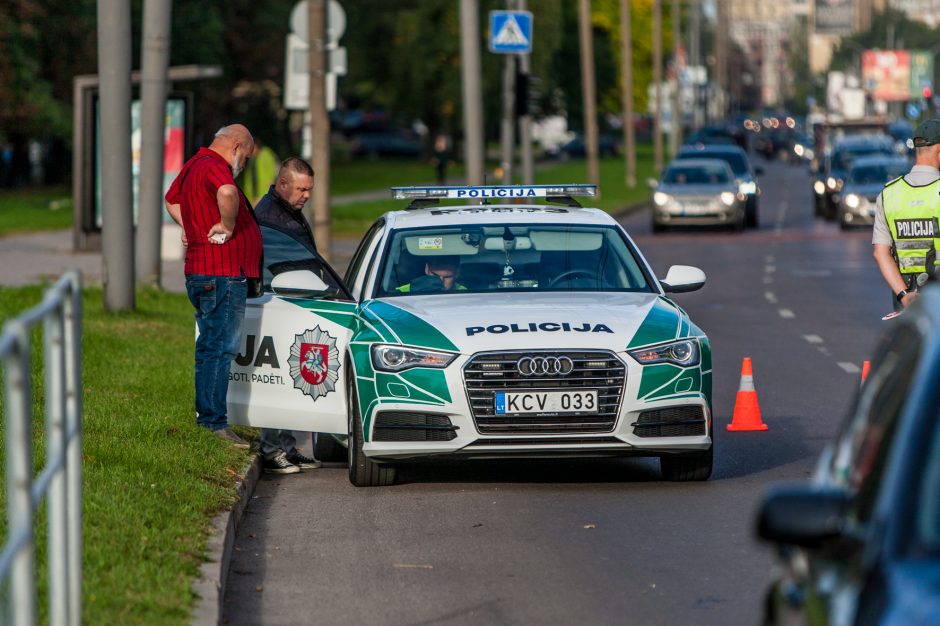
<point x="819" y="187"/>
<point x="799" y="150"/>
<point x="727" y="197"/>
<point x="391" y="358"/>
<point x="684" y="353"/>
<point x="660" y="198"/>
<point x="834" y="184"/>
<point x="748" y="187"/>
<point x="851" y="201"/>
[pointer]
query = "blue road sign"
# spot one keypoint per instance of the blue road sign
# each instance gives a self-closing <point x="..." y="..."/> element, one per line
<point x="510" y="32"/>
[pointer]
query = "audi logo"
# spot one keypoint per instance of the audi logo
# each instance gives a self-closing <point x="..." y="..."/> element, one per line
<point x="545" y="365"/>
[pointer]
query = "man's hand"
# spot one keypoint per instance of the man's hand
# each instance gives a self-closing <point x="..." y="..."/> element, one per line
<point x="219" y="234"/>
<point x="908" y="299"/>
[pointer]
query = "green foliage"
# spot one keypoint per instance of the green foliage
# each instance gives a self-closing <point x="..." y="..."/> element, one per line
<point x="152" y="479"/>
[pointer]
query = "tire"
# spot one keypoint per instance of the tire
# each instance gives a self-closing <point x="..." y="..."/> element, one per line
<point x="362" y="471"/>
<point x="328" y="450"/>
<point x="657" y="227"/>
<point x="751" y="212"/>
<point x="691" y="466"/>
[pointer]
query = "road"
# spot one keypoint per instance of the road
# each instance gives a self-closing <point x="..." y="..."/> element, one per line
<point x="602" y="542"/>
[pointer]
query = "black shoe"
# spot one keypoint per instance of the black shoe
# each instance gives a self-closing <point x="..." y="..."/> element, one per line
<point x="229" y="435"/>
<point x="302" y="461"/>
<point x="278" y="464"/>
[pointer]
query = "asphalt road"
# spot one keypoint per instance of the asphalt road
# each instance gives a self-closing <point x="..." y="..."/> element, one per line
<point x="602" y="542"/>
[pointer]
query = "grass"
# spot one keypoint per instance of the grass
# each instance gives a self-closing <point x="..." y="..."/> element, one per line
<point x="152" y="479"/>
<point x="33" y="209"/>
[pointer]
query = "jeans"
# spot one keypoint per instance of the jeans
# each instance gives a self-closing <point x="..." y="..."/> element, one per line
<point x="220" y="308"/>
<point x="273" y="440"/>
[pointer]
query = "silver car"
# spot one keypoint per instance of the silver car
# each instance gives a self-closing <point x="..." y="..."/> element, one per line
<point x="698" y="192"/>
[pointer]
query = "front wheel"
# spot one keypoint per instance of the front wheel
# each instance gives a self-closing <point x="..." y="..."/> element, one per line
<point x="328" y="450"/>
<point x="363" y="472"/>
<point x="688" y="466"/>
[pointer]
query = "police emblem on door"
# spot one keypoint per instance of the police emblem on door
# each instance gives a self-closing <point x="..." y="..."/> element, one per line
<point x="314" y="362"/>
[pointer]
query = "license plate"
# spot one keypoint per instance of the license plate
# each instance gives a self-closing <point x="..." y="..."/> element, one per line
<point x="520" y="403"/>
<point x="694" y="209"/>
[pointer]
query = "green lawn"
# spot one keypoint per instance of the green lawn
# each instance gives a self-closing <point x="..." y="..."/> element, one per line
<point x="32" y="209"/>
<point x="152" y="479"/>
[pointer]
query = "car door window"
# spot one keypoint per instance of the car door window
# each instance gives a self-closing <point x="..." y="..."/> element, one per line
<point x="284" y="252"/>
<point x="362" y="254"/>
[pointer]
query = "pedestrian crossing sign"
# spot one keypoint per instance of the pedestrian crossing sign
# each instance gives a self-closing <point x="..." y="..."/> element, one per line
<point x="510" y="32"/>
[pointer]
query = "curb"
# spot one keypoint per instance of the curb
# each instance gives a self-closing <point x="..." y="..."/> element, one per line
<point x="210" y="587"/>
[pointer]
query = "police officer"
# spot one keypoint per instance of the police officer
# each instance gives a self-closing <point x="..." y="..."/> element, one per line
<point x="905" y="236"/>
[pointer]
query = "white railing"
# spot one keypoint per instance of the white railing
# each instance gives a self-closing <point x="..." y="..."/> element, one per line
<point x="60" y="481"/>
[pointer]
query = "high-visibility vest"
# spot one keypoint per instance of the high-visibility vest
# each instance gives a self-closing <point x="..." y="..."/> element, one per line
<point x="911" y="213"/>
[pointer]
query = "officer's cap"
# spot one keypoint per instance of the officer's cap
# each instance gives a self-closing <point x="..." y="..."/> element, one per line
<point x="927" y="133"/>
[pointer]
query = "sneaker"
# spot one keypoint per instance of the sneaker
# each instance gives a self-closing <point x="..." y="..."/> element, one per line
<point x="278" y="464"/>
<point x="302" y="461"/>
<point x="229" y="435"/>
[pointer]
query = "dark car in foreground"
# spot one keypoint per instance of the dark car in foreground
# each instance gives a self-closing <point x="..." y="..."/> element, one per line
<point x="866" y="179"/>
<point x="745" y="176"/>
<point x="860" y="543"/>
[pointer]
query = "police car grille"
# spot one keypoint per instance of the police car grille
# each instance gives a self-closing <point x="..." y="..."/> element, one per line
<point x="406" y="426"/>
<point x="680" y="421"/>
<point x="486" y="374"/>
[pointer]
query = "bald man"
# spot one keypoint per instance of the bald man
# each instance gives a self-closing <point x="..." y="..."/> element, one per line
<point x="223" y="250"/>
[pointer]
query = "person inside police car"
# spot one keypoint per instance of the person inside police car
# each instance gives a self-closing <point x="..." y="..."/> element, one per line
<point x="440" y="274"/>
<point x="905" y="235"/>
<point x="282" y="209"/>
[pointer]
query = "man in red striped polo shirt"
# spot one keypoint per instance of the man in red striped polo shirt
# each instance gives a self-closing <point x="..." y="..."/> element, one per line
<point x="223" y="250"/>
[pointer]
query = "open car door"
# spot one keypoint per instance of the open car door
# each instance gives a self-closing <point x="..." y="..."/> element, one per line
<point x="290" y="372"/>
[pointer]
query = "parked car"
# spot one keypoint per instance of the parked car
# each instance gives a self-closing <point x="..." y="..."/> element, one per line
<point x="394" y="142"/>
<point x="866" y="179"/>
<point x="860" y="543"/>
<point x="837" y="164"/>
<point x="698" y="192"/>
<point x="607" y="145"/>
<point x="745" y="176"/>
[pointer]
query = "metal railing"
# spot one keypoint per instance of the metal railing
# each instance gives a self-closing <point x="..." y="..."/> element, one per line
<point x="60" y="481"/>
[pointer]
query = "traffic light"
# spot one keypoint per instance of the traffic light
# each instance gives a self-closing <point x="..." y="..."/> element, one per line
<point x="928" y="93"/>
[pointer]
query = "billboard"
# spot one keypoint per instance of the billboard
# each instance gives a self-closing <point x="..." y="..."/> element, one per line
<point x="834" y="17"/>
<point x="896" y="75"/>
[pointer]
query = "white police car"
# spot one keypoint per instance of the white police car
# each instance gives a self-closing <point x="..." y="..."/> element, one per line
<point x="498" y="327"/>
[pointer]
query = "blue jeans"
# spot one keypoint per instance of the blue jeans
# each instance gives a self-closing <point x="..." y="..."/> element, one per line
<point x="220" y="308"/>
<point x="273" y="440"/>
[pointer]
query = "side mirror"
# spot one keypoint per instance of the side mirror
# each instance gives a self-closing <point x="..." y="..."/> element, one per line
<point x="299" y="283"/>
<point x="652" y="183"/>
<point x="803" y="515"/>
<point x="682" y="278"/>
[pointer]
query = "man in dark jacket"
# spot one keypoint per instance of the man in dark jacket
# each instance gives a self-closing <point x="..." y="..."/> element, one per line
<point x="282" y="209"/>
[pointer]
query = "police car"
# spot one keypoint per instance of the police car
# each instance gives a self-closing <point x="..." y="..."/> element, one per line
<point x="512" y="324"/>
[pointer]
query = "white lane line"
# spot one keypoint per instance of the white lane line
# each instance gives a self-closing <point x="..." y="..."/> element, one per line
<point x="850" y="368"/>
<point x="824" y="350"/>
<point x="813" y="338"/>
<point x="768" y="280"/>
<point x="770" y="269"/>
<point x="771" y="297"/>
<point x="786" y="313"/>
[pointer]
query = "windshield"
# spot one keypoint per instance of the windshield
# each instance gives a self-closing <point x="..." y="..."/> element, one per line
<point x="696" y="175"/>
<point x="736" y="160"/>
<point x="515" y="257"/>
<point x="842" y="159"/>
<point x="876" y="174"/>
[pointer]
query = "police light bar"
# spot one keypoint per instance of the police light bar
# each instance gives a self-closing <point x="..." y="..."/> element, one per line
<point x="508" y="192"/>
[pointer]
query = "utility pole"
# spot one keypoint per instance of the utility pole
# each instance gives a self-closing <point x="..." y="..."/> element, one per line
<point x="507" y="125"/>
<point x="721" y="57"/>
<point x="472" y="92"/>
<point x="657" y="85"/>
<point x="626" y="59"/>
<point x="525" y="120"/>
<point x="155" y="58"/>
<point x="676" y="135"/>
<point x="117" y="220"/>
<point x="695" y="49"/>
<point x="319" y="126"/>
<point x="589" y="91"/>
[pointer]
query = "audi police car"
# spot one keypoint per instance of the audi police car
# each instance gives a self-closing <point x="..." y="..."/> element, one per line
<point x="497" y="327"/>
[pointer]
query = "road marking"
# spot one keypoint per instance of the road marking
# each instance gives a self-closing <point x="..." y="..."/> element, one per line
<point x="813" y="338"/>
<point x="850" y="368"/>
<point x="768" y="280"/>
<point x="824" y="350"/>
<point x="770" y="269"/>
<point x="769" y="258"/>
<point x="786" y="313"/>
<point x="771" y="297"/>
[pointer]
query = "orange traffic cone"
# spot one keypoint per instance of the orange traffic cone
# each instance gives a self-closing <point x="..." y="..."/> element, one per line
<point x="866" y="366"/>
<point x="746" y="409"/>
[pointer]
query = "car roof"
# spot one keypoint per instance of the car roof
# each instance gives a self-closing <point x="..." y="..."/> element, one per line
<point x="711" y="147"/>
<point x="456" y="215"/>
<point x="860" y="141"/>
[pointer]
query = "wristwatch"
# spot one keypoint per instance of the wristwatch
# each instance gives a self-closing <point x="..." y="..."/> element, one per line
<point x="900" y="295"/>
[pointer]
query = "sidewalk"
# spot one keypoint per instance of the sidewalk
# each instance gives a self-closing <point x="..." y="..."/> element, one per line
<point x="41" y="258"/>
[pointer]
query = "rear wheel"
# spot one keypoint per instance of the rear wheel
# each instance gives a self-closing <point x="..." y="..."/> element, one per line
<point x="688" y="466"/>
<point x="363" y="472"/>
<point x="751" y="212"/>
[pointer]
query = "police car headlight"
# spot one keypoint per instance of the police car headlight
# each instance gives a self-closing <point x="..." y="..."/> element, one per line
<point x="390" y="358"/>
<point x="749" y="187"/>
<point x="727" y="197"/>
<point x="819" y="187"/>
<point x="684" y="353"/>
<point x="851" y="201"/>
<point x="660" y="198"/>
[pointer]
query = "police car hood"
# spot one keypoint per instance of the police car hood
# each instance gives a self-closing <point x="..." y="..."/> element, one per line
<point x="471" y="323"/>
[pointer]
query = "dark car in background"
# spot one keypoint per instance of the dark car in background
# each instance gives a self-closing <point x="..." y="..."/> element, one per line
<point x="830" y="180"/>
<point x="608" y="145"/>
<point x="745" y="175"/>
<point x="865" y="180"/>
<point x="860" y="543"/>
<point x="385" y="142"/>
